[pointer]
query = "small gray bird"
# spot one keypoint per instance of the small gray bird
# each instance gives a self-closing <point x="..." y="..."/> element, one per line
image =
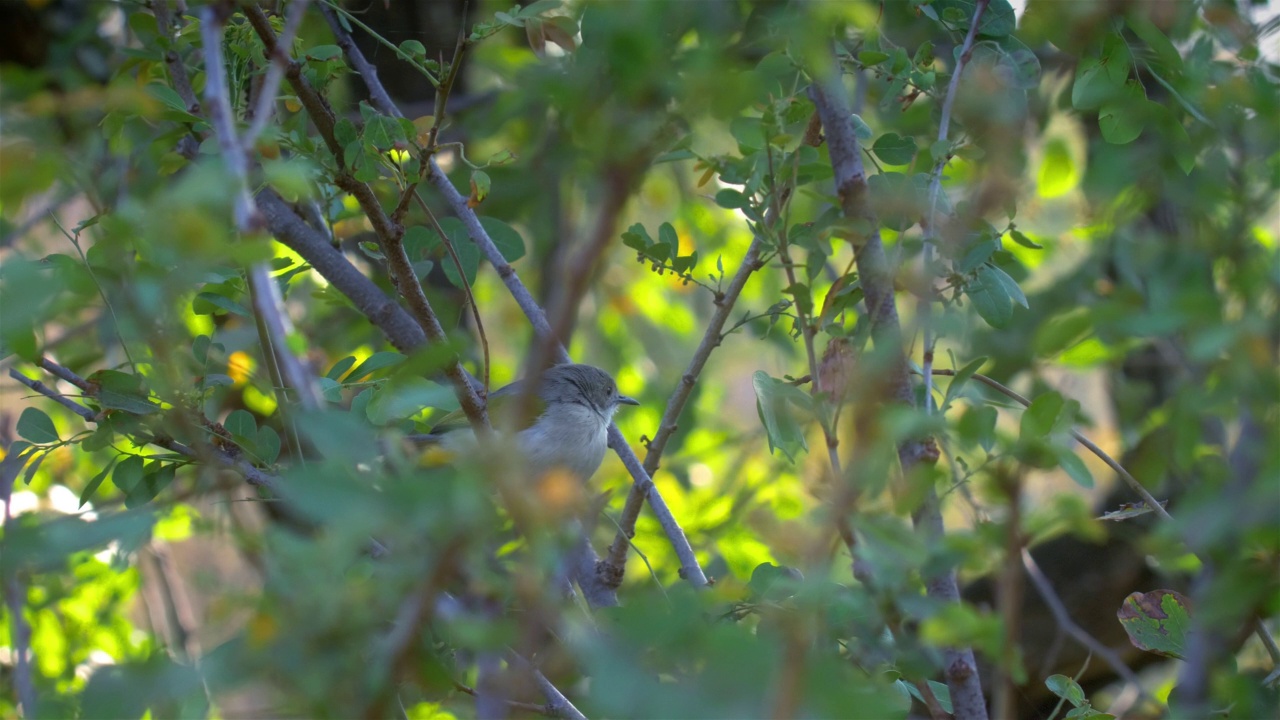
<point x="575" y="405"/>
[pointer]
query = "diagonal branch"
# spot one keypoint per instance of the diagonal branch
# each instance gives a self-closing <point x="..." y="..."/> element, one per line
<point x="689" y="566"/>
<point x="389" y="232"/>
<point x="1069" y="626"/>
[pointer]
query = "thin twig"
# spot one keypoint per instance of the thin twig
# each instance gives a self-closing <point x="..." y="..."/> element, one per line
<point x="1155" y="505"/>
<point x="466" y="287"/>
<point x="217" y="100"/>
<point x="292" y="231"/>
<point x="925" y="305"/>
<point x="616" y="559"/>
<point x="74" y="239"/>
<point x="1259" y="628"/>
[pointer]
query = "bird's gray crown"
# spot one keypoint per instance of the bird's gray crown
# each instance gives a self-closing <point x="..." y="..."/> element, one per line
<point x="580" y="384"/>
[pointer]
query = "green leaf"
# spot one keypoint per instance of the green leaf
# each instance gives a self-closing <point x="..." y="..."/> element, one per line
<point x="200" y="349"/>
<point x="990" y="298"/>
<point x="998" y="20"/>
<point x="731" y="199"/>
<point x="36" y="426"/>
<point x="94" y="484"/>
<point x="637" y="238"/>
<point x="33" y="465"/>
<point x="383" y="132"/>
<point x="123" y="391"/>
<point x="405" y="397"/>
<point x="241" y="423"/>
<point x="894" y="149"/>
<point x="480" y="186"/>
<point x="268" y="444"/>
<point x="373" y="363"/>
<point x="1157" y="622"/>
<point x="468" y="258"/>
<point x="1062" y="331"/>
<point x="1142" y="26"/>
<point x="324" y="52"/>
<point x="509" y="242"/>
<point x="413" y="48"/>
<point x="1122" y="119"/>
<point x="749" y="132"/>
<point x="777" y="403"/>
<point x="156" y="477"/>
<point x="539" y="7"/>
<point x="217" y="301"/>
<point x="1009" y="284"/>
<point x="961" y="377"/>
<point x="1019" y="237"/>
<point x="1177" y="140"/>
<point x="127" y="474"/>
<point x="1074" y="467"/>
<point x="667" y="234"/>
<point x="1100" y="79"/>
<point x="861" y="129"/>
<point x="773" y="583"/>
<point x="344" y="131"/>
<point x="1038" y="419"/>
<point x="1066" y="688"/>
<point x="341" y="367"/>
<point x="166" y="95"/>
<point x="331" y="390"/>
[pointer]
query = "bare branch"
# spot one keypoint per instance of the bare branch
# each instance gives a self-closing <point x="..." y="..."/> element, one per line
<point x="52" y="394"/>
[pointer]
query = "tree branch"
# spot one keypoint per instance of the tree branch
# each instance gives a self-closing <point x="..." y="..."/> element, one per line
<point x="1069" y="626"/>
<point x="877" y="285"/>
<point x="690" y="569"/>
<point x="390" y="233"/>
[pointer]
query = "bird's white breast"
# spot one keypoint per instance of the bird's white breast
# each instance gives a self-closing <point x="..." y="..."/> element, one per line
<point x="575" y="439"/>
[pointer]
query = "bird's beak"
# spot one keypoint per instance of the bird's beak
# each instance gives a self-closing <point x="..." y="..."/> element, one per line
<point x="624" y="400"/>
